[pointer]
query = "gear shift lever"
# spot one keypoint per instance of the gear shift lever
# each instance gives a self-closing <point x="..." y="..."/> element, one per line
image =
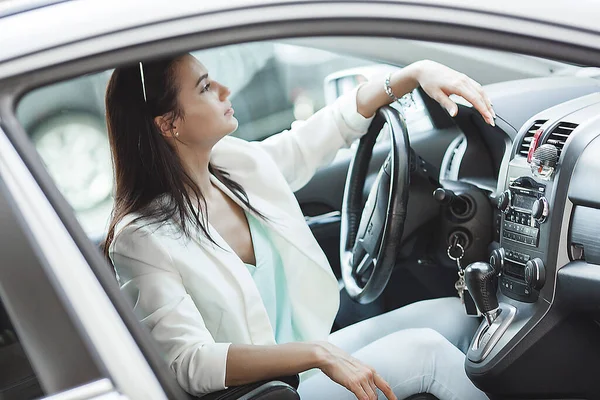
<point x="479" y="277"/>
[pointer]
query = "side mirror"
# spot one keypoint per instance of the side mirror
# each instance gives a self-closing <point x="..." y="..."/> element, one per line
<point x="343" y="81"/>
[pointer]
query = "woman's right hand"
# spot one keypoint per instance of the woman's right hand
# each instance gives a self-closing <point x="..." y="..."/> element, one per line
<point x="351" y="373"/>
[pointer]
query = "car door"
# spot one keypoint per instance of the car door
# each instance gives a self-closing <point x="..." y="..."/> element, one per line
<point x="60" y="335"/>
<point x="66" y="252"/>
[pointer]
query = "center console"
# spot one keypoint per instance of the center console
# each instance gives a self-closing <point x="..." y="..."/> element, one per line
<point x="525" y="210"/>
<point x="530" y="333"/>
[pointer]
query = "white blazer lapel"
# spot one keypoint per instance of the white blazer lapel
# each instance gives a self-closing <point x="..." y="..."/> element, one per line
<point x="313" y="288"/>
<point x="281" y="222"/>
<point x="260" y="328"/>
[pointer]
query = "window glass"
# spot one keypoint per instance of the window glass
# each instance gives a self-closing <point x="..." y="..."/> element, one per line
<point x="272" y="84"/>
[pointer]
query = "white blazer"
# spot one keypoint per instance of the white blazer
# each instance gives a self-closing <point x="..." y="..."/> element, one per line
<point x="197" y="298"/>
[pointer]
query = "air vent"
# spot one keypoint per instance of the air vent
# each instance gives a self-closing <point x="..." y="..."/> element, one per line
<point x="453" y="158"/>
<point x="560" y="134"/>
<point x="524" y="147"/>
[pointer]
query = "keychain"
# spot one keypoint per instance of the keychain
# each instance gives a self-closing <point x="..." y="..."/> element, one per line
<point x="456" y="252"/>
<point x="460" y="285"/>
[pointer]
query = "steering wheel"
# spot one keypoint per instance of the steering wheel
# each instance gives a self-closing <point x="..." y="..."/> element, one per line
<point x="370" y="236"/>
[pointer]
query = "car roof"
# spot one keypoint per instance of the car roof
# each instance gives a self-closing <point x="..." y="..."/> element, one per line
<point x="47" y="24"/>
<point x="12" y="7"/>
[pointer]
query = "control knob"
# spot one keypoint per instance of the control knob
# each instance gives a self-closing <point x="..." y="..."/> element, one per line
<point x="535" y="273"/>
<point x="444" y="196"/>
<point x="504" y="200"/>
<point x="540" y="209"/>
<point x="497" y="259"/>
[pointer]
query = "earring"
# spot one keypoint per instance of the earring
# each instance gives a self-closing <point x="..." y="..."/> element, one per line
<point x="176" y="134"/>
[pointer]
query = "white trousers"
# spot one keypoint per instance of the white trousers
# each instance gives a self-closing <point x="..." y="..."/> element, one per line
<point x="412" y="357"/>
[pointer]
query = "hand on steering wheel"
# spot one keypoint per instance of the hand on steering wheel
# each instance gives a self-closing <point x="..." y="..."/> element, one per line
<point x="439" y="82"/>
<point x="370" y="236"/>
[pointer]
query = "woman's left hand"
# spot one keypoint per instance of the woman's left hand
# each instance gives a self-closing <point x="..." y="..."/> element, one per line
<point x="439" y="82"/>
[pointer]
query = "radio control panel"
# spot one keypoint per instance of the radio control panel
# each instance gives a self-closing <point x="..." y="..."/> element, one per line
<point x="525" y="209"/>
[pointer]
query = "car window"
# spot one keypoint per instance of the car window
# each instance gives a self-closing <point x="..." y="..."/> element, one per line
<point x="272" y="84"/>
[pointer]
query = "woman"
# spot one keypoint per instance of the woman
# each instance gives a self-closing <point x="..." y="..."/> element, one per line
<point x="208" y="239"/>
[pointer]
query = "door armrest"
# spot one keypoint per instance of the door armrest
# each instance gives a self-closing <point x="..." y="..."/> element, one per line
<point x="281" y="388"/>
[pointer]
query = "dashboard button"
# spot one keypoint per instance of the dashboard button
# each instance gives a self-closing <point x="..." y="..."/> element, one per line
<point x="524" y="220"/>
<point x="519" y="288"/>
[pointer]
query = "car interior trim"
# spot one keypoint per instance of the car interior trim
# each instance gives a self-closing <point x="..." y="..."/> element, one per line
<point x="561" y="210"/>
<point x="115" y="346"/>
<point x="373" y="20"/>
<point x="100" y="389"/>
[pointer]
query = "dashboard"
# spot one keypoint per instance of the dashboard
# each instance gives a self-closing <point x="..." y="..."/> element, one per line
<point x="546" y="240"/>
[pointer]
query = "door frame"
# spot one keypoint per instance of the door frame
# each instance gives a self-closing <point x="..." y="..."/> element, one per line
<point x="151" y="34"/>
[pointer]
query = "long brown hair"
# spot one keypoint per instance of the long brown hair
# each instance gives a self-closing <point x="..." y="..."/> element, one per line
<point x="146" y="167"/>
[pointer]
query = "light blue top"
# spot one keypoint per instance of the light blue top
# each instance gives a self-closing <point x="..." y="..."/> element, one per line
<point x="269" y="277"/>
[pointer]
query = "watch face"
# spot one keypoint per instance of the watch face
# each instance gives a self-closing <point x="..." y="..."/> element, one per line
<point x="76" y="152"/>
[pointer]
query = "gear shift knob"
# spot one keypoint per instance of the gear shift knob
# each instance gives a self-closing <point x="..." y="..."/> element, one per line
<point x="479" y="278"/>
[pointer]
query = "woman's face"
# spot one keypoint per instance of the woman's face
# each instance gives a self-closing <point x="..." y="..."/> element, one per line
<point x="208" y="115"/>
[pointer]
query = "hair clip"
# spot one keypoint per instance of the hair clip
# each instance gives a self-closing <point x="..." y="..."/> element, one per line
<point x="143" y="83"/>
